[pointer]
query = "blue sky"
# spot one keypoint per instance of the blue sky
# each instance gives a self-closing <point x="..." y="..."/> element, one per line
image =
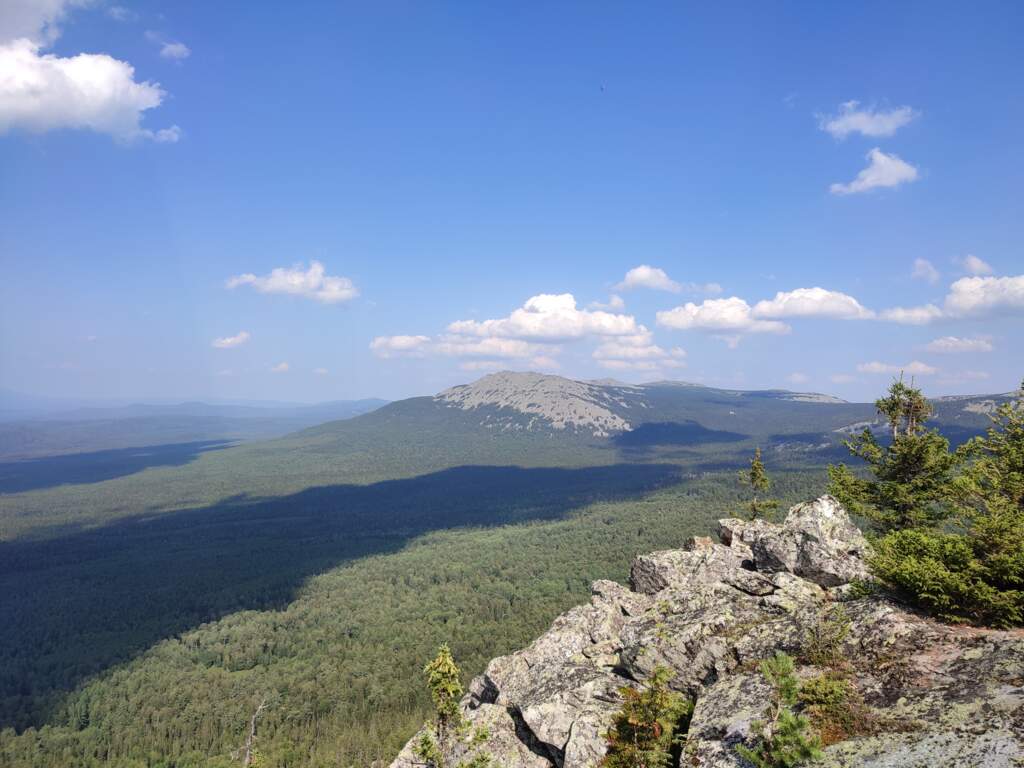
<point x="415" y="170"/>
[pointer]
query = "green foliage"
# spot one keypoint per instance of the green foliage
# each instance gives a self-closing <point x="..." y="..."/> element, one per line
<point x="445" y="685"/>
<point x="648" y="725"/>
<point x="912" y="475"/>
<point x="836" y="708"/>
<point x="972" y="570"/>
<point x="786" y="739"/>
<point x="823" y="641"/>
<point x="449" y="737"/>
<point x="757" y="478"/>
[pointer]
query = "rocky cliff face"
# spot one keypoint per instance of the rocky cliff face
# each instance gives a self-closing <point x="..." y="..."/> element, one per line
<point x="937" y="695"/>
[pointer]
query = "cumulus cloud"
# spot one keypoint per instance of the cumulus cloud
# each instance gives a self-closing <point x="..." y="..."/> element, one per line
<point x="312" y="283"/>
<point x="852" y="118"/>
<point x="911" y="315"/>
<point x="974" y="266"/>
<point x="41" y="91"/>
<point x="914" y="368"/>
<point x="952" y="344"/>
<point x="395" y="346"/>
<point x="732" y="314"/>
<point x="227" y="342"/>
<point x="280" y="368"/>
<point x="646" y="276"/>
<point x="36" y="20"/>
<point x="925" y="270"/>
<point x="973" y="296"/>
<point x="549" y="317"/>
<point x="883" y="171"/>
<point x="637" y="352"/>
<point x="812" y="302"/>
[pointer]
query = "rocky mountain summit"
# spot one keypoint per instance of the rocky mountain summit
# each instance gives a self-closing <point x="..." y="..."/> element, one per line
<point x="930" y="694"/>
<point x="553" y="401"/>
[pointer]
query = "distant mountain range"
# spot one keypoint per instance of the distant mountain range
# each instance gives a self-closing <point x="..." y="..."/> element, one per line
<point x="41" y="427"/>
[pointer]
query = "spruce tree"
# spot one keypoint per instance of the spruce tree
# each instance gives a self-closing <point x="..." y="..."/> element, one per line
<point x="757" y="478"/>
<point x="646" y="728"/>
<point x="786" y="739"/>
<point x="912" y="474"/>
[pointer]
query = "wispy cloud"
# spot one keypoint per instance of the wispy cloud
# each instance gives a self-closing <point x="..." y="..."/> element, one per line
<point x="280" y="368"/>
<point x="867" y="121"/>
<point x="227" y="342"/>
<point x="925" y="270"/>
<point x="972" y="265"/>
<point x="914" y="368"/>
<point x="952" y="344"/>
<point x="883" y="171"/>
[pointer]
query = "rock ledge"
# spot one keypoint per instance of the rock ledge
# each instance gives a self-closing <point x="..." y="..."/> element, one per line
<point x="952" y="696"/>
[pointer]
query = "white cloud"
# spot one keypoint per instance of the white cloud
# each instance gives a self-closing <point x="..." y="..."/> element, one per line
<point x="646" y="276"/>
<point x="798" y="378"/>
<point x="549" y="317"/>
<point x="915" y="368"/>
<point x="732" y="314"/>
<point x="971" y="296"/>
<point x="951" y="344"/>
<point x="42" y="92"/>
<point x="36" y="20"/>
<point x="812" y="302"/>
<point x="867" y="122"/>
<point x="280" y="368"/>
<point x="842" y="378"/>
<point x="451" y="345"/>
<point x="637" y="352"/>
<point x="482" y="365"/>
<point x="227" y="342"/>
<point x="975" y="266"/>
<point x="614" y="302"/>
<point x="911" y="315"/>
<point x="925" y="270"/>
<point x="883" y="171"/>
<point x="394" y="346"/>
<point x="120" y="13"/>
<point x="175" y="50"/>
<point x="320" y="371"/>
<point x="312" y="283"/>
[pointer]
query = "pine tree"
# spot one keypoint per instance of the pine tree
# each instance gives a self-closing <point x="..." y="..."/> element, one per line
<point x="449" y="737"/>
<point x="787" y="739"/>
<point x="912" y="474"/>
<point x="757" y="478"/>
<point x="645" y="729"/>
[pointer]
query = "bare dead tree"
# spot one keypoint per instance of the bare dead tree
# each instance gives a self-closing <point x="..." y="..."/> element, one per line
<point x="250" y="742"/>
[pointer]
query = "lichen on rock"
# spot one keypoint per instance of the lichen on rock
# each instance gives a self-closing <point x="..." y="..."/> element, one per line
<point x="942" y="695"/>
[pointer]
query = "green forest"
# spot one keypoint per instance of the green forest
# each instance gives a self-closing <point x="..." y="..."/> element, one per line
<point x="337" y="656"/>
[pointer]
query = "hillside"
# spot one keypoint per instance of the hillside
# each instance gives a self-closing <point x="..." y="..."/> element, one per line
<point x="893" y="689"/>
<point x="319" y="568"/>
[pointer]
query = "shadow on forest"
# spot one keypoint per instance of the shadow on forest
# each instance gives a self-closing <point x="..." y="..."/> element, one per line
<point x="97" y="466"/>
<point x="79" y="602"/>
<point x="648" y="438"/>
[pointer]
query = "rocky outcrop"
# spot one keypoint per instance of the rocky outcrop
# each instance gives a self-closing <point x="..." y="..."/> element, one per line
<point x="942" y="695"/>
